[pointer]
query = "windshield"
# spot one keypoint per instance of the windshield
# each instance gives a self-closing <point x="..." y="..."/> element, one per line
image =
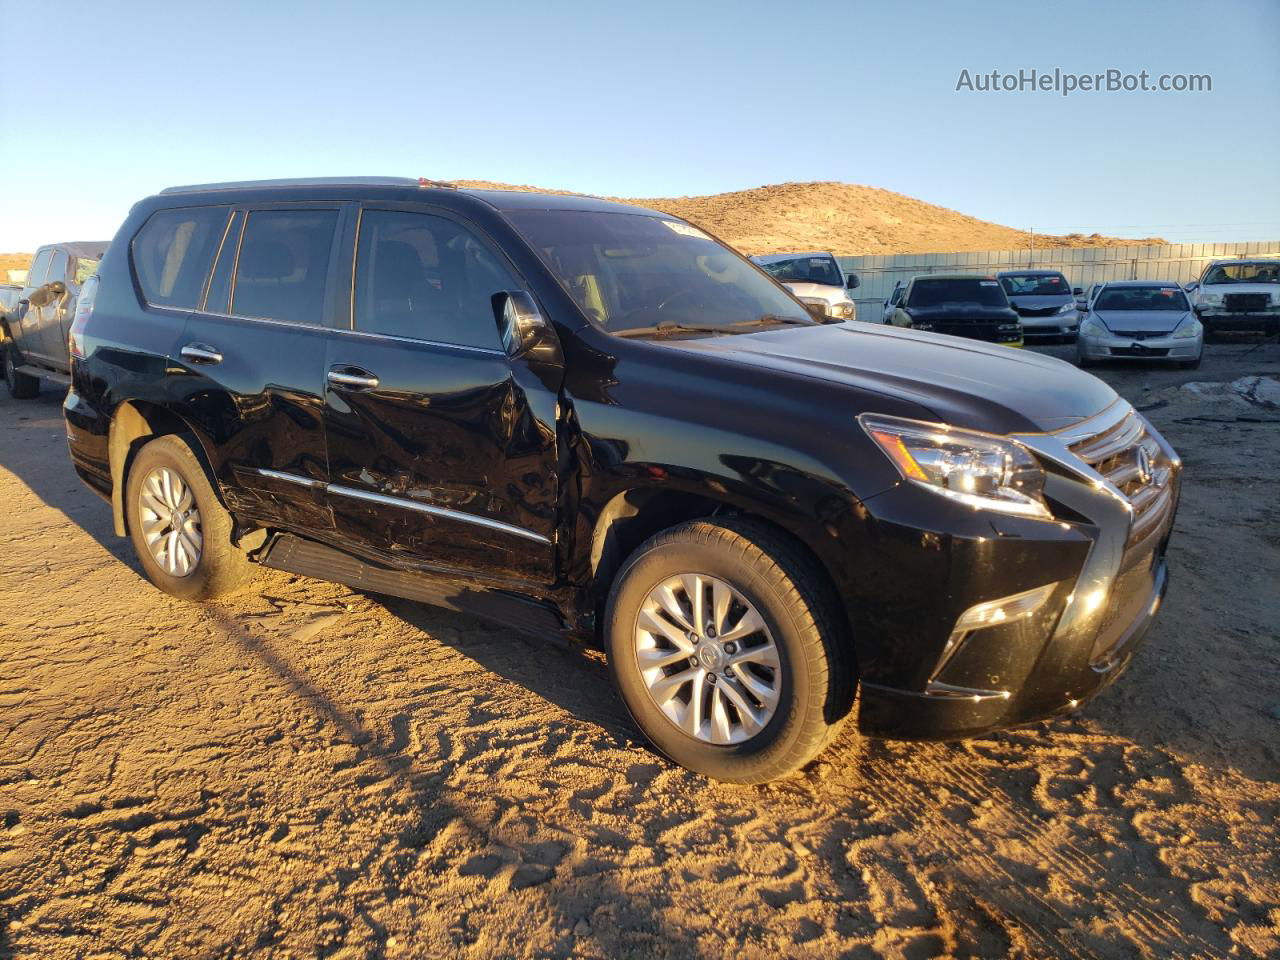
<point x="633" y="272"/>
<point x="1266" y="272"/>
<point x="1036" y="285"/>
<point x="1141" y="298"/>
<point x="822" y="270"/>
<point x="935" y="293"/>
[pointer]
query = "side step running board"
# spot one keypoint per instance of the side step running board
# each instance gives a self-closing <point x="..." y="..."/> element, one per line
<point x="61" y="379"/>
<point x="310" y="559"/>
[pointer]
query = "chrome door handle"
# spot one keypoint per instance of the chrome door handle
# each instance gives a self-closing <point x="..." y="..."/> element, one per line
<point x="353" y="377"/>
<point x="200" y="353"/>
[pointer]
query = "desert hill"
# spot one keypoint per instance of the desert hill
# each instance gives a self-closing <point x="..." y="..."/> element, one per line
<point x="845" y="218"/>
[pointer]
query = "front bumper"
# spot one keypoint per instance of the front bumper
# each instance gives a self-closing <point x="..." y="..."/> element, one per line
<point x="1058" y="325"/>
<point x="1217" y="320"/>
<point x="1155" y="348"/>
<point x="927" y="683"/>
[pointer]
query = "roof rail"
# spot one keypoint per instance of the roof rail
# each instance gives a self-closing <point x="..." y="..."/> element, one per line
<point x="301" y="182"/>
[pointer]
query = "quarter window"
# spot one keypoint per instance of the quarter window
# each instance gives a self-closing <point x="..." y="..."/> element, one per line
<point x="284" y="264"/>
<point x="427" y="277"/>
<point x="173" y="251"/>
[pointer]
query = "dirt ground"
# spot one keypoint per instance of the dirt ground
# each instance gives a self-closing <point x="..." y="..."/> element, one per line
<point x="305" y="771"/>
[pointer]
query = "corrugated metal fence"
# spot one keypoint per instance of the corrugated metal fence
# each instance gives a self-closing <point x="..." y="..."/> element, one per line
<point x="1082" y="266"/>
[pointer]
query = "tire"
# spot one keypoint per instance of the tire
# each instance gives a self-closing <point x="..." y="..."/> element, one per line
<point x="1192" y="364"/>
<point x="21" y="386"/>
<point x="219" y="567"/>
<point x="802" y="619"/>
<point x="1084" y="363"/>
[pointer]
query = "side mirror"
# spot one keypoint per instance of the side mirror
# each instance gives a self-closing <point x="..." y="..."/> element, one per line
<point x="524" y="330"/>
<point x="1077" y="291"/>
<point x="853" y="282"/>
<point x="1191" y="287"/>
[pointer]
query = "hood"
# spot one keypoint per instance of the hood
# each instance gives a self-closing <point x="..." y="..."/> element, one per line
<point x="1040" y="302"/>
<point x="1146" y="321"/>
<point x="951" y="312"/>
<point x="961" y="382"/>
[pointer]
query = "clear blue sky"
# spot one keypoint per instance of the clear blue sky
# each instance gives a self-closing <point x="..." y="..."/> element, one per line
<point x="649" y="99"/>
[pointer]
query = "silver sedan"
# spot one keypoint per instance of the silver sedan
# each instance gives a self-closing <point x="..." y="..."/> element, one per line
<point x="1140" y="319"/>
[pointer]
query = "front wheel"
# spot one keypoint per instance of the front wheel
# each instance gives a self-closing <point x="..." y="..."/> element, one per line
<point x="727" y="645"/>
<point x="21" y="386"/>
<point x="180" y="530"/>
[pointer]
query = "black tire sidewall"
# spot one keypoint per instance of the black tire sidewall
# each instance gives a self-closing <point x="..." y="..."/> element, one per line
<point x="174" y="453"/>
<point x="770" y="747"/>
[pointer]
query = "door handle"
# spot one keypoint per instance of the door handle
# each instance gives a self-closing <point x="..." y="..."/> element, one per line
<point x="353" y="378"/>
<point x="200" y="353"/>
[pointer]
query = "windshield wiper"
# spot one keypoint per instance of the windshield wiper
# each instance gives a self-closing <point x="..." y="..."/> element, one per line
<point x="668" y="327"/>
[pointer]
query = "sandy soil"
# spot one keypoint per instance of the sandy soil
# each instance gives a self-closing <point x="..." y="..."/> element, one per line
<point x="305" y="771"/>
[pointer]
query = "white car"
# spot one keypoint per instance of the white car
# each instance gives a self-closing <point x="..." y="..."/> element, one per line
<point x="815" y="278"/>
<point x="1238" y="295"/>
<point x="1140" y="320"/>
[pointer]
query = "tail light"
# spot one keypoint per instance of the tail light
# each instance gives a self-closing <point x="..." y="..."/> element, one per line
<point x="84" y="310"/>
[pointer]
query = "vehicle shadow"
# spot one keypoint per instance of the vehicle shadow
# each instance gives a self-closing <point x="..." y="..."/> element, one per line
<point x="33" y="448"/>
<point x="442" y="810"/>
<point x="568" y="675"/>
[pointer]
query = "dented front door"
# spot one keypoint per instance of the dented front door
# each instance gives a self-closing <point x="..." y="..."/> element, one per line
<point x="442" y="455"/>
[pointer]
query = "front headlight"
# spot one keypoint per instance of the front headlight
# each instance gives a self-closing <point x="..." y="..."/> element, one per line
<point x="1093" y="328"/>
<point x="1068" y="307"/>
<point x="1209" y="299"/>
<point x="1187" y="329"/>
<point x="845" y="310"/>
<point x="980" y="470"/>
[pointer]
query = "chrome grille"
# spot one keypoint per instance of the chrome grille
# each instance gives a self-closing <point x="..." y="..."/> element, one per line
<point x="1131" y="459"/>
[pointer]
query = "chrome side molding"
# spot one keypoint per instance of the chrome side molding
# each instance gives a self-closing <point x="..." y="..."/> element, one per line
<point x="406" y="504"/>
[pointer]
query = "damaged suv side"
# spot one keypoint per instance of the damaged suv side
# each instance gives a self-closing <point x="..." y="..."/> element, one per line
<point x="582" y="417"/>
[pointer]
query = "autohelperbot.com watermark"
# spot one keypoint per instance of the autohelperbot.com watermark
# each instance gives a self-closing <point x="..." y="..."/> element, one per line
<point x="1065" y="83"/>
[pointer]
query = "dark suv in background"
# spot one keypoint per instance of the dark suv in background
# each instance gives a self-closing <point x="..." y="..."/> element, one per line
<point x="960" y="304"/>
<point x="35" y="329"/>
<point x="581" y="417"/>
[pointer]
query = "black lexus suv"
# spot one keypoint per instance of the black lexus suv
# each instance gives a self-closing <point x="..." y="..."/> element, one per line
<point x="584" y="418"/>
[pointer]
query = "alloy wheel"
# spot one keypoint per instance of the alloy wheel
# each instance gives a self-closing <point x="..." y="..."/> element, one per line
<point x="708" y="659"/>
<point x="170" y="522"/>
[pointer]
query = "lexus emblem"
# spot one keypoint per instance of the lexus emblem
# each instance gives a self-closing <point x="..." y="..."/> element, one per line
<point x="1144" y="465"/>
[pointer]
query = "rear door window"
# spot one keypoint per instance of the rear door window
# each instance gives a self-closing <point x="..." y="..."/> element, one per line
<point x="39" y="268"/>
<point x="173" y="251"/>
<point x="283" y="265"/>
<point x="427" y="278"/>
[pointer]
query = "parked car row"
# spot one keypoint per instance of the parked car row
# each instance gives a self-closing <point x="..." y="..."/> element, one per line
<point x="34" y="329"/>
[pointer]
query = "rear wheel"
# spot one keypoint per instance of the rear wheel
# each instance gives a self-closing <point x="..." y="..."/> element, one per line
<point x="728" y="650"/>
<point x="180" y="531"/>
<point x="21" y="386"/>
